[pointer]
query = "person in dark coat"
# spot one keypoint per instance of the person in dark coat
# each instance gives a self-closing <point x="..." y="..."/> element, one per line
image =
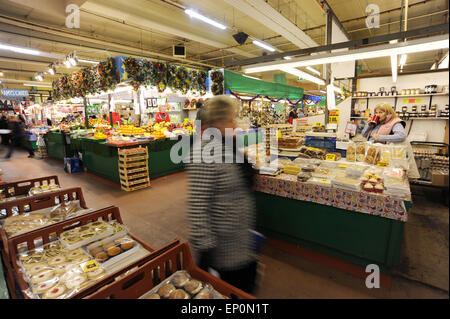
<point x="4" y="126"/>
<point x="18" y="137"/>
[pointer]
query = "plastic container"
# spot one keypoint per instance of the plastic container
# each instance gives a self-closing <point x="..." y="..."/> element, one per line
<point x="84" y="235"/>
<point x="109" y="251"/>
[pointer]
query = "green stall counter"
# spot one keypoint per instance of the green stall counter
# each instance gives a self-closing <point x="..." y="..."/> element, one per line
<point x="355" y="237"/>
<point x="56" y="146"/>
<point x="102" y="160"/>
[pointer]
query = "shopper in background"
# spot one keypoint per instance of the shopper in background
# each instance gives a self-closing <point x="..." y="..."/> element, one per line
<point x="4" y="126"/>
<point x="162" y="115"/>
<point x="199" y="106"/>
<point x="18" y="137"/>
<point x="385" y="126"/>
<point x="292" y="115"/>
<point x="221" y="202"/>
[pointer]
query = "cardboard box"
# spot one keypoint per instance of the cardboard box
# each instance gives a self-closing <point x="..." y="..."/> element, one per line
<point x="439" y="178"/>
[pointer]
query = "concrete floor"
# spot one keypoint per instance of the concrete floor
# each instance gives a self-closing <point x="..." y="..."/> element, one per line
<point x="158" y="215"/>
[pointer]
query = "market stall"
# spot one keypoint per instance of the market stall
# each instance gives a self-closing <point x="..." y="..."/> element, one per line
<point x="353" y="206"/>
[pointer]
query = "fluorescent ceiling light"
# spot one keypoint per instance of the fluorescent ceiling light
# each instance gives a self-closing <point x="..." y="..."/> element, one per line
<point x="403" y="59"/>
<point x="313" y="70"/>
<point x="322" y="91"/>
<point x="444" y="63"/>
<point x="19" y="50"/>
<point x="263" y="45"/>
<point x="197" y="15"/>
<point x="303" y="75"/>
<point x="73" y="60"/>
<point x="420" y="45"/>
<point x="44" y="85"/>
<point x="88" y="61"/>
<point x="287" y="58"/>
<point x="394" y="60"/>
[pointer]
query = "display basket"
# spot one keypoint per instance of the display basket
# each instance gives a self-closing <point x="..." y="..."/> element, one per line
<point x="22" y="188"/>
<point x="53" y="231"/>
<point x="140" y="281"/>
<point x="31" y="204"/>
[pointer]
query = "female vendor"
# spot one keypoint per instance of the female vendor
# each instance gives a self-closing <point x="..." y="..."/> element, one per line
<point x="385" y="126"/>
<point x="162" y="115"/>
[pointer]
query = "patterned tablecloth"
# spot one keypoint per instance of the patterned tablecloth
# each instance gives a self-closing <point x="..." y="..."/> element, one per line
<point x="286" y="185"/>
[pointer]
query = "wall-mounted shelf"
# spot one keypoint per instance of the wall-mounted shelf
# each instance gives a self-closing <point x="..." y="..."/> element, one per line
<point x="397" y="96"/>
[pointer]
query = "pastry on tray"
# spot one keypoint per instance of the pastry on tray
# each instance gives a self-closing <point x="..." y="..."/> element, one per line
<point x="179" y="294"/>
<point x="179" y="280"/>
<point x="193" y="286"/>
<point x="204" y="294"/>
<point x="55" y="292"/>
<point x="166" y="290"/>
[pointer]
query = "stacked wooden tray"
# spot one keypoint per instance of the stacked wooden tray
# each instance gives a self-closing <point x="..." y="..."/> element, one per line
<point x="133" y="168"/>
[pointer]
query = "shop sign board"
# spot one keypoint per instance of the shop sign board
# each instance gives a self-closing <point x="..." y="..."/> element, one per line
<point x="13" y="93"/>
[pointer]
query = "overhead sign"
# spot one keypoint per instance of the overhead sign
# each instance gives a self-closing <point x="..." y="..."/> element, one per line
<point x="12" y="93"/>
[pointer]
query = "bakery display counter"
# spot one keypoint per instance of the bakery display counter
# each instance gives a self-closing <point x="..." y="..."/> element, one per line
<point x="357" y="226"/>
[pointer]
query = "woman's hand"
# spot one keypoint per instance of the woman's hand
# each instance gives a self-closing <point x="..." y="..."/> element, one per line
<point x="375" y="137"/>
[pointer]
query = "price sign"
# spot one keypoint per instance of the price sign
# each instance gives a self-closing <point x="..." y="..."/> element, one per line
<point x="383" y="164"/>
<point x="89" y="265"/>
<point x="369" y="176"/>
<point x="342" y="166"/>
<point x="318" y="124"/>
<point x="330" y="157"/>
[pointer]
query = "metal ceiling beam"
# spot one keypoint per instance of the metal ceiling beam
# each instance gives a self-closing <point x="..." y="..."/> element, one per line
<point x="428" y="31"/>
<point x="272" y="19"/>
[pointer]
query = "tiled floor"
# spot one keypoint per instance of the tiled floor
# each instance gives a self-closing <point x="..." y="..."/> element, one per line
<point x="158" y="215"/>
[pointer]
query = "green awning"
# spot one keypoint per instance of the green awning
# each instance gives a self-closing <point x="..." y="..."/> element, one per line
<point x="241" y="84"/>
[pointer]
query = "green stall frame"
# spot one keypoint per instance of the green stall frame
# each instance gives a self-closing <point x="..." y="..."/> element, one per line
<point x="357" y="238"/>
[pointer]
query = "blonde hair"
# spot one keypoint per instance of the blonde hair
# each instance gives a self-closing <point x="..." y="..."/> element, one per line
<point x="386" y="108"/>
<point x="218" y="109"/>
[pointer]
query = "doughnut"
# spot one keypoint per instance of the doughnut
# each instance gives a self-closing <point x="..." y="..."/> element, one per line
<point x="166" y="290"/>
<point x="42" y="276"/>
<point x="204" y="294"/>
<point x="55" y="292"/>
<point x="179" y="294"/>
<point x="43" y="287"/>
<point x="36" y="268"/>
<point x="75" y="281"/>
<point x="108" y="245"/>
<point x="56" y="260"/>
<point x="95" y="274"/>
<point x="95" y="251"/>
<point x="124" y="243"/>
<point x="179" y="280"/>
<point x="193" y="286"/>
<point x="101" y="256"/>
<point x="113" y="251"/>
<point x="153" y="296"/>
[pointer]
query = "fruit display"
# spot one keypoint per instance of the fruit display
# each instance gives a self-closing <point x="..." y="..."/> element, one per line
<point x="130" y="130"/>
<point x="100" y="136"/>
<point x="98" y="122"/>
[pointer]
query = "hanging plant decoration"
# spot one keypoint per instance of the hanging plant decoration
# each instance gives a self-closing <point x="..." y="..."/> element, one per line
<point x="105" y="75"/>
<point x="199" y="79"/>
<point x="217" y="83"/>
<point x="171" y="76"/>
<point x="146" y="72"/>
<point x="159" y="76"/>
<point x="133" y="70"/>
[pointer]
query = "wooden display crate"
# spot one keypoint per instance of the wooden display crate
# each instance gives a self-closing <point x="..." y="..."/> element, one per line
<point x="22" y="187"/>
<point x="30" y="204"/>
<point x="133" y="168"/>
<point x="46" y="233"/>
<point x="139" y="281"/>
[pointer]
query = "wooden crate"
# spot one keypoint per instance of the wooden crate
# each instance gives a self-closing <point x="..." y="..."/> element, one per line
<point x="26" y="205"/>
<point x="23" y="187"/>
<point x="133" y="168"/>
<point x="105" y="214"/>
<point x="139" y="281"/>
